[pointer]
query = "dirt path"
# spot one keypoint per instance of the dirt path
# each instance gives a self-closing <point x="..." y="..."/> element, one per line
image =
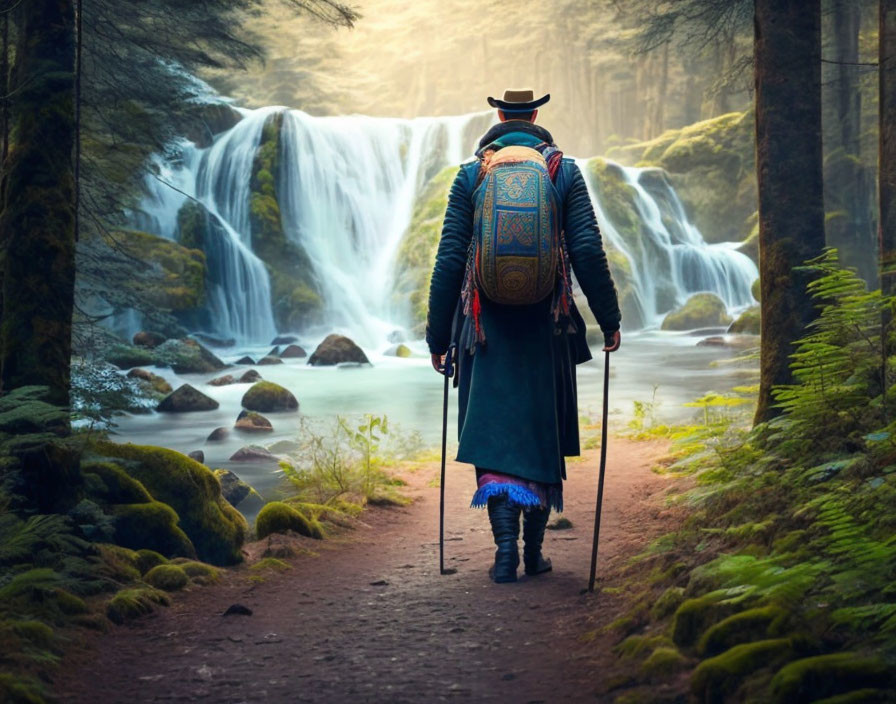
<point x="371" y="620"/>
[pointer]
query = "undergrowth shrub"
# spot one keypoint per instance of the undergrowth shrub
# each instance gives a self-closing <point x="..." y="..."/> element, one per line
<point x="342" y="464"/>
<point x="791" y="535"/>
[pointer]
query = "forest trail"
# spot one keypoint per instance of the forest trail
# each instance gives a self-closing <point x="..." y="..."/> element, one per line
<point x="371" y="620"/>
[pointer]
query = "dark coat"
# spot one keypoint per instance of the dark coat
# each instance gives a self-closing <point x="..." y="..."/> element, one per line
<point x="517" y="394"/>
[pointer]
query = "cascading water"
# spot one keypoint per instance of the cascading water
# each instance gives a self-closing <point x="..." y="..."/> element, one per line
<point x="670" y="260"/>
<point x="346" y="188"/>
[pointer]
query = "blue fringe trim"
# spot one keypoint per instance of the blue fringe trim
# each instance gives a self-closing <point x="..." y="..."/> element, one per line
<point x="517" y="495"/>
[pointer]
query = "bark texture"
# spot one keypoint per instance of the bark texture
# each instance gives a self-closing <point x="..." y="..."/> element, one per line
<point x="887" y="145"/>
<point x="787" y="37"/>
<point x="37" y="225"/>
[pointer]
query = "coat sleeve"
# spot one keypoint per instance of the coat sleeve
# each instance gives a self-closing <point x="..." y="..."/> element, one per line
<point x="586" y="253"/>
<point x="451" y="264"/>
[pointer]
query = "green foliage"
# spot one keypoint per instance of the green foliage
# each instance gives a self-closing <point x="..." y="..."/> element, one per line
<point x="345" y="462"/>
<point x="789" y="546"/>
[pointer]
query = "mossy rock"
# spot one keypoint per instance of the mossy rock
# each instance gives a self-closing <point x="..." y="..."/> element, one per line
<point x="67" y="603"/>
<point x="187" y="356"/>
<point x="186" y="399"/>
<point x="278" y="517"/>
<point x="711" y="164"/>
<point x="169" y="578"/>
<point x="266" y="396"/>
<point x="813" y="678"/>
<point x="152" y="384"/>
<point x="199" y="572"/>
<point x="702" y="310"/>
<point x="755" y="290"/>
<point x="663" y="661"/>
<point x="127" y="356"/>
<point x="747" y="323"/>
<point x="216" y="529"/>
<point x="180" y="270"/>
<point x="152" y="525"/>
<point x="128" y="604"/>
<point x="695" y="615"/>
<point x="638" y="645"/>
<point x="743" y="627"/>
<point x="147" y="559"/>
<point x="336" y="349"/>
<point x="667" y="603"/>
<point x="119" y="563"/>
<point x="716" y="678"/>
<point x="115" y="486"/>
<point x="233" y="488"/>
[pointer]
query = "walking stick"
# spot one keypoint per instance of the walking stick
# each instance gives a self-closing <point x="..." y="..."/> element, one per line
<point x="603" y="467"/>
<point x="449" y="372"/>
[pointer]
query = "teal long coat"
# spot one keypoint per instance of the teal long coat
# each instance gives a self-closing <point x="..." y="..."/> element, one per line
<point x="517" y="411"/>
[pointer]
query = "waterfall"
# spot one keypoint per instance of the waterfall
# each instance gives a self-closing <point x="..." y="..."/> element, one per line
<point x="346" y="188"/>
<point x="670" y="260"/>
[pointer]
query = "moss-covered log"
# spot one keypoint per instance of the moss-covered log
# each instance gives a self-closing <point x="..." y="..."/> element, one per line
<point x="787" y="44"/>
<point x="37" y="227"/>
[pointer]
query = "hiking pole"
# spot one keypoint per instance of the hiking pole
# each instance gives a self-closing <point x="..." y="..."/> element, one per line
<point x="603" y="467"/>
<point x="448" y="371"/>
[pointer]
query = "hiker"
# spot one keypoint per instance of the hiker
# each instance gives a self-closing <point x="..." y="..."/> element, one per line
<point x="501" y="292"/>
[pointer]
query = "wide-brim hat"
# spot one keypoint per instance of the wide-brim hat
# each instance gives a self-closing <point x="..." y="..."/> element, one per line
<point x="518" y="101"/>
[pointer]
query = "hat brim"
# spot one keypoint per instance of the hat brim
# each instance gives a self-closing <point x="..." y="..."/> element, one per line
<point x="518" y="107"/>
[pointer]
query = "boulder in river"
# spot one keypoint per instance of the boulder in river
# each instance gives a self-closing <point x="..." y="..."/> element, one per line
<point x="700" y="311"/>
<point x="747" y="322"/>
<point x="253" y="422"/>
<point x="293" y="352"/>
<point x="267" y="396"/>
<point x="284" y="340"/>
<point x="270" y="360"/>
<point x="336" y="349"/>
<point x="187" y="357"/>
<point x="225" y="380"/>
<point x="396" y="336"/>
<point x="146" y="338"/>
<point x="127" y="356"/>
<point x="245" y="360"/>
<point x="250" y="377"/>
<point x="154" y="381"/>
<point x="186" y="399"/>
<point x="233" y="489"/>
<point x="197" y="455"/>
<point x="398" y="351"/>
<point x="275" y="352"/>
<point x="253" y="453"/>
<point x="218" y="434"/>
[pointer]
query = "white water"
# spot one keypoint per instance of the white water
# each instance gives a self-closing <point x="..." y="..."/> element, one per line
<point x="347" y="187"/>
<point x="672" y="261"/>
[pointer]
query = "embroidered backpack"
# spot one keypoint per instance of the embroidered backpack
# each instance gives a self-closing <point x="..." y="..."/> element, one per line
<point x="517" y="251"/>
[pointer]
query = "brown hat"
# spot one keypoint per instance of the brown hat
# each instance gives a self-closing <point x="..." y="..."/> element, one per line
<point x="518" y="100"/>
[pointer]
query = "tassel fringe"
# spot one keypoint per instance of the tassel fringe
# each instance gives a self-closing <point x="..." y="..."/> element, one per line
<point x="516" y="494"/>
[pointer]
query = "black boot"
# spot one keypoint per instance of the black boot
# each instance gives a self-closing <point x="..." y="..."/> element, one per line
<point x="534" y="522"/>
<point x="505" y="520"/>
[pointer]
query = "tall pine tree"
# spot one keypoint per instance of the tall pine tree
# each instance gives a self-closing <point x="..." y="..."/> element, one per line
<point x="787" y="43"/>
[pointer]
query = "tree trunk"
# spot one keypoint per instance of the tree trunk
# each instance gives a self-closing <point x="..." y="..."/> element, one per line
<point x="787" y="43"/>
<point x="847" y="193"/>
<point x="38" y="218"/>
<point x="887" y="145"/>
